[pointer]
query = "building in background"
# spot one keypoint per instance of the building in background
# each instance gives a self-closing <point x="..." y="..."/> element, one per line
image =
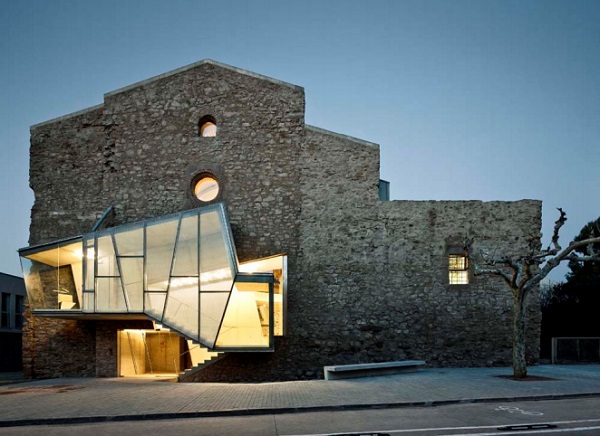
<point x="12" y="305"/>
<point x="194" y="225"/>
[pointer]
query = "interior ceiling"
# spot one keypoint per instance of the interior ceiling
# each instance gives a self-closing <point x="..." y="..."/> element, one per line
<point x="59" y="256"/>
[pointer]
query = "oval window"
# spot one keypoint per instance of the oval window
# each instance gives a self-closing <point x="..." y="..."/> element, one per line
<point x="206" y="189"/>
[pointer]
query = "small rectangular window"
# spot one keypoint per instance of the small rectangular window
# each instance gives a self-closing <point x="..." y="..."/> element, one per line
<point x="5" y="316"/>
<point x="19" y="309"/>
<point x="458" y="269"/>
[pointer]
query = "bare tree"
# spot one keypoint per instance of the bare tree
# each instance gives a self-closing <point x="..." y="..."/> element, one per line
<point x="522" y="273"/>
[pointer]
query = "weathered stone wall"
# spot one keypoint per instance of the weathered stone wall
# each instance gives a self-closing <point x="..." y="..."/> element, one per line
<point x="375" y="274"/>
<point x="58" y="348"/>
<point x="140" y="150"/>
<point x="367" y="279"/>
<point x="65" y="175"/>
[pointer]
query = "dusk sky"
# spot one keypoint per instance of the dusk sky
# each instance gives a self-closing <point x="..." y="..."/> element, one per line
<point x="469" y="100"/>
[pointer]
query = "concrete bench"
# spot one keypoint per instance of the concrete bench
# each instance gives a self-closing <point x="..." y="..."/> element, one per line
<point x="371" y="369"/>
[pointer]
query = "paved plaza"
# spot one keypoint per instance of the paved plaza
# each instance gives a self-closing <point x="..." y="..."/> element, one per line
<point x="109" y="399"/>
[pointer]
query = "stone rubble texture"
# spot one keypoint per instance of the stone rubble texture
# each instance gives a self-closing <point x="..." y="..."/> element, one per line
<point x="367" y="279"/>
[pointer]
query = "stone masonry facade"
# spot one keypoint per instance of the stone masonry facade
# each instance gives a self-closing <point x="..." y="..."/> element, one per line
<point x="367" y="279"/>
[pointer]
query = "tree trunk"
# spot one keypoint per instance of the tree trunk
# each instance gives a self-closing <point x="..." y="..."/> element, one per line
<point x="519" y="363"/>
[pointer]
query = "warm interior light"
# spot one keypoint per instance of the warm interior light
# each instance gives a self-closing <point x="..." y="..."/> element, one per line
<point x="206" y="189"/>
<point x="208" y="129"/>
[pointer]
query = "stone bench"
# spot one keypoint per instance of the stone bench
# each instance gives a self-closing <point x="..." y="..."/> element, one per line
<point x="371" y="369"/>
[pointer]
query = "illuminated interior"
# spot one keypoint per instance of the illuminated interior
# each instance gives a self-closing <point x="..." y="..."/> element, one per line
<point x="206" y="189"/>
<point x="51" y="277"/>
<point x="208" y="129"/>
<point x="180" y="270"/>
<point x="458" y="269"/>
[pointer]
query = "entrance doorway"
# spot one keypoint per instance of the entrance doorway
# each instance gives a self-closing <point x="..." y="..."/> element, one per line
<point x="150" y="352"/>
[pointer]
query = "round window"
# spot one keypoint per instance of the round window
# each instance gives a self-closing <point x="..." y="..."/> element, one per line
<point x="206" y="189"/>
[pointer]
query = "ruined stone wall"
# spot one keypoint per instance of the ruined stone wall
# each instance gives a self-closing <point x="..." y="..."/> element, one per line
<point x="58" y="348"/>
<point x="64" y="174"/>
<point x="375" y="274"/>
<point x="156" y="150"/>
<point x="140" y="150"/>
<point x="367" y="280"/>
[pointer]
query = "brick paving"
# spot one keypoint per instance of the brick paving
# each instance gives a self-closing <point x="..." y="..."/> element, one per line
<point x="69" y="399"/>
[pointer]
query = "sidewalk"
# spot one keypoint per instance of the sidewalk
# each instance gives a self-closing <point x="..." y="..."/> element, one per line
<point x="72" y="400"/>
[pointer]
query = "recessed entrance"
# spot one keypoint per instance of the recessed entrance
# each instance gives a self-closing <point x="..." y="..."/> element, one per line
<point x="151" y="353"/>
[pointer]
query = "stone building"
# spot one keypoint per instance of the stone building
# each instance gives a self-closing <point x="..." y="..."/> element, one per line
<point x="194" y="222"/>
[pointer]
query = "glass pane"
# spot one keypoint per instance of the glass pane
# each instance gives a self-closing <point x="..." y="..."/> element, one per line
<point x="186" y="258"/>
<point x="160" y="243"/>
<point x="49" y="287"/>
<point x="132" y="274"/>
<point x="456" y="262"/>
<point x="53" y="277"/>
<point x="182" y="306"/>
<point x="35" y="289"/>
<point x="246" y="321"/>
<point x="458" y="277"/>
<point x="216" y="270"/>
<point x="155" y="303"/>
<point x="107" y="262"/>
<point x="131" y="242"/>
<point x="277" y="265"/>
<point x="109" y="295"/>
<point x="89" y="257"/>
<point x="212" y="308"/>
<point x="88" y="302"/>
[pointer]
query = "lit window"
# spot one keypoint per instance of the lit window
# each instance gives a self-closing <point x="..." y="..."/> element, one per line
<point x="208" y="126"/>
<point x="206" y="189"/>
<point x="458" y="269"/>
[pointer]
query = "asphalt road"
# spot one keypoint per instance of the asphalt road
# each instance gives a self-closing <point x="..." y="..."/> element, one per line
<point x="558" y="417"/>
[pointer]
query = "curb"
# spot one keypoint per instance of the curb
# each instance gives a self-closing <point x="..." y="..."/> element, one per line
<point x="282" y="410"/>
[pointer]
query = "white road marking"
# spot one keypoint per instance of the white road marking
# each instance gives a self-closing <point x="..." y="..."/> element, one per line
<point x="479" y="427"/>
<point x="520" y="432"/>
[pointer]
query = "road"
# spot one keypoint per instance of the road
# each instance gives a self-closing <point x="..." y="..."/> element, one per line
<point x="558" y="417"/>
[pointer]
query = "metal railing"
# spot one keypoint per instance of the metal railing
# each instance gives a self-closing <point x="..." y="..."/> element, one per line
<point x="575" y="349"/>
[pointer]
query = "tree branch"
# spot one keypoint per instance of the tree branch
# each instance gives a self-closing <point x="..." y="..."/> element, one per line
<point x="557" y="225"/>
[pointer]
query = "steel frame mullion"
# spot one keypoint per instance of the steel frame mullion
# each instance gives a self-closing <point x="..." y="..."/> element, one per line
<point x="171" y="267"/>
<point x="199" y="273"/>
<point x="118" y="261"/>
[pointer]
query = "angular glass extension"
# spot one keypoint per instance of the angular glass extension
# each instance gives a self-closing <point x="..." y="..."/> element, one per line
<point x="180" y="270"/>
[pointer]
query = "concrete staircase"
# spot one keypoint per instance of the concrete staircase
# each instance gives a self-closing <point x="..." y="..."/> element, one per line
<point x="201" y="358"/>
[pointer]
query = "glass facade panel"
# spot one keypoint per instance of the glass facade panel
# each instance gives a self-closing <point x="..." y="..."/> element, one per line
<point x="277" y="265"/>
<point x="179" y="270"/>
<point x="132" y="275"/>
<point x="89" y="257"/>
<point x="160" y="243"/>
<point x="109" y="295"/>
<point x="131" y="242"/>
<point x="53" y="277"/>
<point x="154" y="303"/>
<point x="246" y="321"/>
<point x="212" y="309"/>
<point x="181" y="312"/>
<point x="88" y="302"/>
<point x="216" y="259"/>
<point x="106" y="259"/>
<point x="186" y="257"/>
